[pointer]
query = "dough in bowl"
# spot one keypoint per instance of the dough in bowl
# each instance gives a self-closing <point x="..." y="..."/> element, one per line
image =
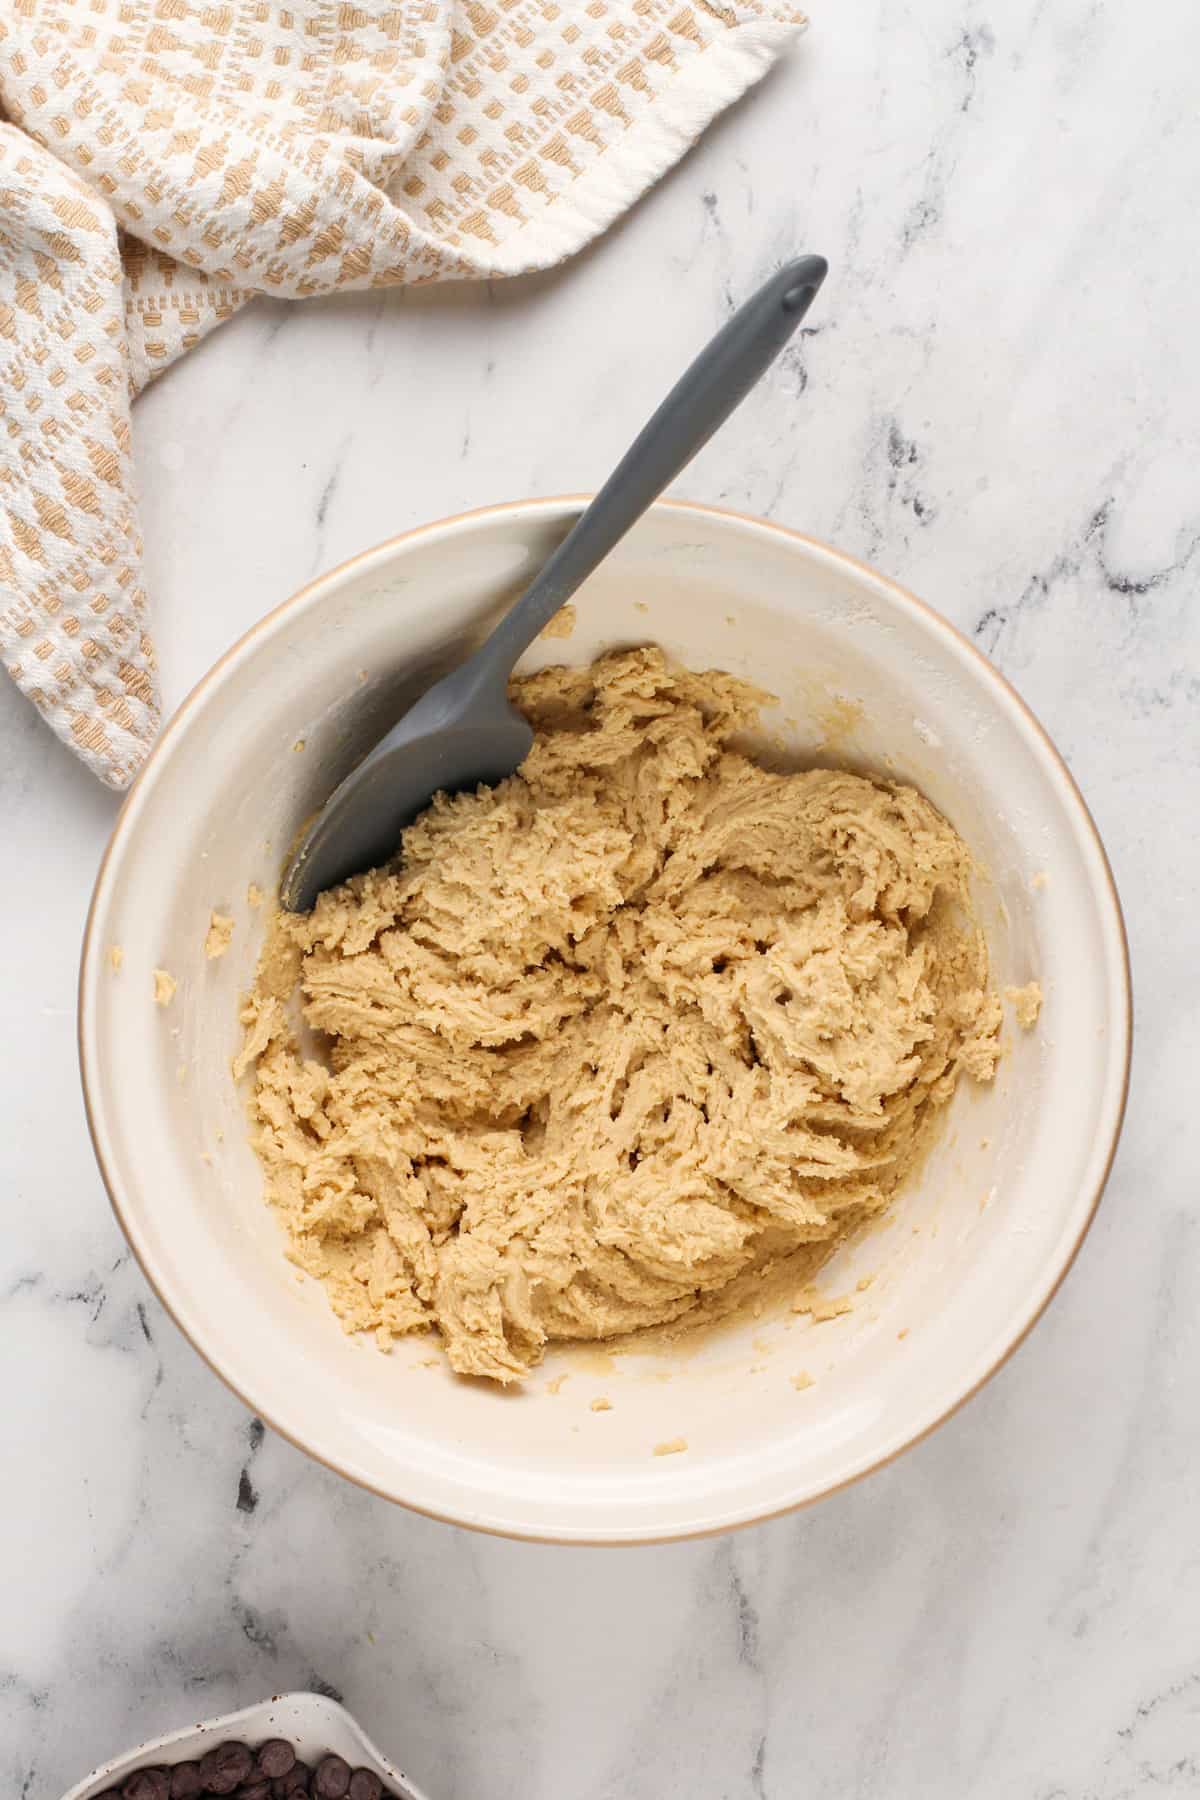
<point x="640" y="1022"/>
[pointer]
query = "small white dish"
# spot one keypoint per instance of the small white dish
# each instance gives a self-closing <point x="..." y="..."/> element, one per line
<point x="942" y="1292"/>
<point x="315" y="1725"/>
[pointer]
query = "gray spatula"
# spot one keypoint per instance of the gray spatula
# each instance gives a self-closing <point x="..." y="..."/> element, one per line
<point x="464" y="732"/>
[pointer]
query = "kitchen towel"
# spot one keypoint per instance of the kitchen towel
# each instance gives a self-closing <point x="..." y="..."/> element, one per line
<point x="162" y="161"/>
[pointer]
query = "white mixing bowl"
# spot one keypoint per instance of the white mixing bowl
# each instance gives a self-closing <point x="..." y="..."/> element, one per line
<point x="865" y="675"/>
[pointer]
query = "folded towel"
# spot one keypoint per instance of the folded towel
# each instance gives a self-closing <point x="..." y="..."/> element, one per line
<point x="165" y="160"/>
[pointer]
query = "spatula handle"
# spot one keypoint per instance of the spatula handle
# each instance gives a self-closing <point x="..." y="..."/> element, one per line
<point x="701" y="400"/>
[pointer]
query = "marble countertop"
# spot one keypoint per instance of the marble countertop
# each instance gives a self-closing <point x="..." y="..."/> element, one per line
<point x="998" y="402"/>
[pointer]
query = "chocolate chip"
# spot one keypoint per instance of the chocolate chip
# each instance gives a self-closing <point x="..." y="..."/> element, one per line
<point x="147" y="1784"/>
<point x="275" y="1758"/>
<point x="333" y="1779"/>
<point x="185" y="1781"/>
<point x="225" y="1768"/>
<point x="365" y="1785"/>
<point x="294" y="1782"/>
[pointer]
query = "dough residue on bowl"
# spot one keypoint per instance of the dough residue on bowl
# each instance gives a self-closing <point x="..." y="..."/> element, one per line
<point x="641" y="1019"/>
<point x="219" y="935"/>
<point x="1026" y="1003"/>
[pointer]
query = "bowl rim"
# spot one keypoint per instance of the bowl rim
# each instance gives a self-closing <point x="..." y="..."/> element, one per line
<point x="548" y="507"/>
<point x="236" y="1724"/>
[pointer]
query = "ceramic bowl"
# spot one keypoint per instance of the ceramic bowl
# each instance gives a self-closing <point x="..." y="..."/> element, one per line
<point x="866" y="676"/>
<point x="314" y="1725"/>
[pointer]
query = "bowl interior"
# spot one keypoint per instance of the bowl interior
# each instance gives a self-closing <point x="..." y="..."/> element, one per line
<point x="941" y="1290"/>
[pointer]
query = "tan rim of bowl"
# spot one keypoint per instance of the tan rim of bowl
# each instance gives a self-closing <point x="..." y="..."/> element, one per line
<point x="381" y="552"/>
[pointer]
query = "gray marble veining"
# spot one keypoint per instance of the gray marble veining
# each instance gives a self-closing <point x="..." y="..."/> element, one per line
<point x="997" y="400"/>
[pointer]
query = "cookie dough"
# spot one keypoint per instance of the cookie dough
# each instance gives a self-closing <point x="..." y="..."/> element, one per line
<point x="641" y="1019"/>
<point x="1026" y="1003"/>
<point x="219" y="935"/>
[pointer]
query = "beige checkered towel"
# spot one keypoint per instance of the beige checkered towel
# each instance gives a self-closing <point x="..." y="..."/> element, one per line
<point x="164" y="160"/>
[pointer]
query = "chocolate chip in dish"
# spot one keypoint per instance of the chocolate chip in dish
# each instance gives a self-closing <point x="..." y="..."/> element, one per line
<point x="272" y="1771"/>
